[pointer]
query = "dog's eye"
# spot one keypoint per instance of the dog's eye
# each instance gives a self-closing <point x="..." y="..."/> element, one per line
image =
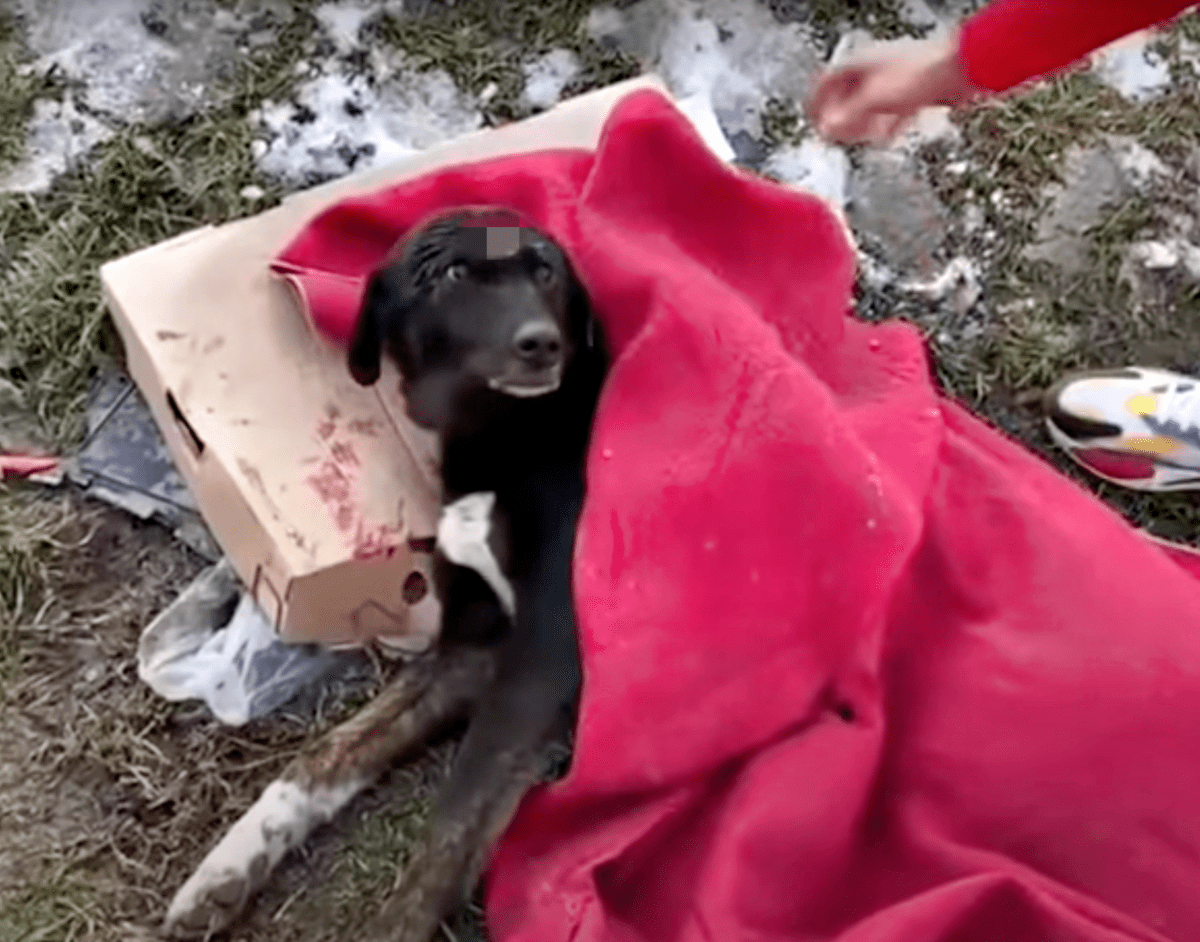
<point x="456" y="272"/>
<point x="544" y="274"/>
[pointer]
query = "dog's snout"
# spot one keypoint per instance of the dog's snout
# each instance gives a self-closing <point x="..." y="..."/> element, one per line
<point x="539" y="343"/>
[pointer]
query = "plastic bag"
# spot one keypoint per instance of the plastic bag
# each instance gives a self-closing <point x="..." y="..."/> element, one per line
<point x="213" y="643"/>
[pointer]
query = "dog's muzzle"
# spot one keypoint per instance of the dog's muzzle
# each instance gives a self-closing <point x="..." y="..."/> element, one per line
<point x="535" y="365"/>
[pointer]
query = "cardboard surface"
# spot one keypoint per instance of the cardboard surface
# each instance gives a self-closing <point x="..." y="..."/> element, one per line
<point x="322" y="493"/>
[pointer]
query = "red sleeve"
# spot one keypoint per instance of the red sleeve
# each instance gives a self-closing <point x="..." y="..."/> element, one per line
<point x="1010" y="41"/>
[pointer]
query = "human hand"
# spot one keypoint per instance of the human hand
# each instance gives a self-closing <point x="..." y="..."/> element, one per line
<point x="872" y="98"/>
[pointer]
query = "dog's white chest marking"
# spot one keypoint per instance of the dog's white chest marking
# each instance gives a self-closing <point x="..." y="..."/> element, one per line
<point x="463" y="536"/>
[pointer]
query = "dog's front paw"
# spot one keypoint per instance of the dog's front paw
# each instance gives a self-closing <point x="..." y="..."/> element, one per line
<point x="210" y="900"/>
<point x="240" y="864"/>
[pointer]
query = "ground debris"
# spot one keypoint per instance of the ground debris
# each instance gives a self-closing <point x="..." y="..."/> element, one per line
<point x="1047" y="231"/>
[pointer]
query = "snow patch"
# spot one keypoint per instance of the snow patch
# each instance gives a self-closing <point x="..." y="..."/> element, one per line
<point x="605" y="24"/>
<point x="547" y="76"/>
<point x="137" y="60"/>
<point x="338" y="123"/>
<point x="815" y="165"/>
<point x="1154" y="255"/>
<point x="1139" y="165"/>
<point x="119" y="64"/>
<point x="929" y="126"/>
<point x="850" y="44"/>
<point x="960" y="280"/>
<point x="342" y="23"/>
<point x="1167" y="254"/>
<point x="875" y="273"/>
<point x="58" y="135"/>
<point x="919" y="14"/>
<point x="1132" y="69"/>
<point x="734" y="52"/>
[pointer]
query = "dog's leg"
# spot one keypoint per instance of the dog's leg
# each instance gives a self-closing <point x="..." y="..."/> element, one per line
<point x="427" y="696"/>
<point x="518" y="733"/>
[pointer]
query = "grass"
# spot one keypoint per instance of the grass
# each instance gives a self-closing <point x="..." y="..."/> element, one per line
<point x="782" y="124"/>
<point x="53" y="906"/>
<point x="1034" y="321"/>
<point x="141" y="786"/>
<point x="374" y="848"/>
<point x="18" y="91"/>
<point x="68" y="608"/>
<point x="79" y="581"/>
<point x="140" y="187"/>
<point x="31" y="534"/>
<point x="827" y="20"/>
<point x="486" y="42"/>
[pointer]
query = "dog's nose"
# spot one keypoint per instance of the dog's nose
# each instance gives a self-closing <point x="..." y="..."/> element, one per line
<point x="539" y="343"/>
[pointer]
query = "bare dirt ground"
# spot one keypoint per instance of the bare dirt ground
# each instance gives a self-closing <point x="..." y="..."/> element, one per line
<point x="1047" y="232"/>
<point x="109" y="794"/>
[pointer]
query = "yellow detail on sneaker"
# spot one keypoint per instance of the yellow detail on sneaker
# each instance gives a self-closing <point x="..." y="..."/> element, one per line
<point x="1151" y="445"/>
<point x="1142" y="404"/>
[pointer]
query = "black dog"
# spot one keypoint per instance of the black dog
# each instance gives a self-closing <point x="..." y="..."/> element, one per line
<point x="499" y="353"/>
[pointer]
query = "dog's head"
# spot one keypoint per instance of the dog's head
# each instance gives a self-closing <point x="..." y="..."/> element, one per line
<point x="476" y="309"/>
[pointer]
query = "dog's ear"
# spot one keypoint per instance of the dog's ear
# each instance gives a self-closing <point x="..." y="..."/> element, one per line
<point x="366" y="346"/>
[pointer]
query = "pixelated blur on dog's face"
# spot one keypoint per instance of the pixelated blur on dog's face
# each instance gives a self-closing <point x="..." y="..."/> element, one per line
<point x="475" y="311"/>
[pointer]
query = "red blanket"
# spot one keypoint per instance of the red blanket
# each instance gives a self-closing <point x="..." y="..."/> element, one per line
<point x="857" y="667"/>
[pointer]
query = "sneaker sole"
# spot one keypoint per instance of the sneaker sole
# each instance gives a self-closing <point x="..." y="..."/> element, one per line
<point x="1150" y="485"/>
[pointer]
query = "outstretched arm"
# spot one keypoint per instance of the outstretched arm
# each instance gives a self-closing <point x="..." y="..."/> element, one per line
<point x="1006" y="43"/>
<point x="1011" y="41"/>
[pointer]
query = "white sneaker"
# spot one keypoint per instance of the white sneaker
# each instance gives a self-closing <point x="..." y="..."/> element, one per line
<point x="1136" y="427"/>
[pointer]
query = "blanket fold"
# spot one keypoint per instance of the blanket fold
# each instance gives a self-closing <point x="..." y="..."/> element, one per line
<point x="856" y="666"/>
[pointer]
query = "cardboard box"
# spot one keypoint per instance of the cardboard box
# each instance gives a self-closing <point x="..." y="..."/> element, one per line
<point x="322" y="493"/>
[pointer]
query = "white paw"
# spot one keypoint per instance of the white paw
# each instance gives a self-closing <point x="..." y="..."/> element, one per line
<point x="284" y="815"/>
<point x="208" y="902"/>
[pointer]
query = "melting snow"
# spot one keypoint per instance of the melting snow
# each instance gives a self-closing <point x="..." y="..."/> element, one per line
<point x="814" y="165"/>
<point x="546" y="77"/>
<point x="342" y="23"/>
<point x="736" y="53"/>
<point x="59" y="135"/>
<point x="1132" y="69"/>
<point x="339" y="123"/>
